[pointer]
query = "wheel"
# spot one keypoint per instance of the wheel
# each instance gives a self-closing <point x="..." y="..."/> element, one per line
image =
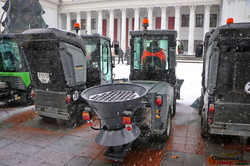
<point x="26" y="99"/>
<point x="162" y="138"/>
<point x="204" y="128"/>
<point x="79" y="118"/>
<point x="201" y="103"/>
<point x="169" y="125"/>
<point x="76" y="115"/>
<point x="47" y="119"/>
<point x="174" y="106"/>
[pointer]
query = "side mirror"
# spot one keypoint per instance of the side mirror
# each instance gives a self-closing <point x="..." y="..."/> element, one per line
<point x="172" y="58"/>
<point x="180" y="47"/>
<point x="116" y="46"/>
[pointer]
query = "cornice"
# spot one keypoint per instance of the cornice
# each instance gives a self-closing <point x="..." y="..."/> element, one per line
<point x="83" y="2"/>
<point x="54" y="1"/>
<point x="57" y="2"/>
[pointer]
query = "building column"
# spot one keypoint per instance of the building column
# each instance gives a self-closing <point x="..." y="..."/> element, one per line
<point x="123" y="34"/>
<point x="177" y="20"/>
<point x="206" y="19"/>
<point x="88" y="28"/>
<point x="68" y="22"/>
<point x="111" y="24"/>
<point x="59" y="25"/>
<point x="130" y="23"/>
<point x="78" y="17"/>
<point x="119" y="29"/>
<point x="136" y="24"/>
<point x="150" y="17"/>
<point x="164" y="18"/>
<point x="99" y="22"/>
<point x="191" y="31"/>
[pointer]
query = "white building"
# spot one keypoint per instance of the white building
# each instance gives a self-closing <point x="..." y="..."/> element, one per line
<point x="115" y="18"/>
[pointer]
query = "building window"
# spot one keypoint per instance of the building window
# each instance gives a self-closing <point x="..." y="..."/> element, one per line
<point x="185" y="20"/>
<point x="93" y="24"/>
<point x="83" y="24"/>
<point x="199" y="20"/>
<point x="213" y="20"/>
<point x="72" y="24"/>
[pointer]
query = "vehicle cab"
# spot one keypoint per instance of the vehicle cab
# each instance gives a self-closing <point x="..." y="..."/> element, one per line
<point x="15" y="82"/>
<point x="99" y="59"/>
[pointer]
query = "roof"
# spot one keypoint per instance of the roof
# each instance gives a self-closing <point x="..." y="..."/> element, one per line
<point x="154" y="32"/>
<point x="53" y="33"/>
<point x="231" y="30"/>
<point x="96" y="35"/>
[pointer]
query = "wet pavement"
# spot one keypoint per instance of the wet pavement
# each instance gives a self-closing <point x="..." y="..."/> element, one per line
<point x="28" y="140"/>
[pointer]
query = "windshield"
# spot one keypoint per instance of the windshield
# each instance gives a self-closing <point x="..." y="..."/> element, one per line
<point x="151" y="53"/>
<point x="10" y="58"/>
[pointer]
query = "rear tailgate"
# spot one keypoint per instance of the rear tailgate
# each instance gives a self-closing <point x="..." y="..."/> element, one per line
<point x="231" y="119"/>
<point x="50" y="99"/>
<point x="237" y="113"/>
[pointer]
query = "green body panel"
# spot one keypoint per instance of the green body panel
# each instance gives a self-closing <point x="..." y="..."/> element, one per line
<point x="24" y="75"/>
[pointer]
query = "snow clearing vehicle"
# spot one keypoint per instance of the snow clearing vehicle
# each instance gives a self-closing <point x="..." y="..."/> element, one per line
<point x="225" y="99"/>
<point x="144" y="105"/>
<point x="61" y="67"/>
<point x="15" y="82"/>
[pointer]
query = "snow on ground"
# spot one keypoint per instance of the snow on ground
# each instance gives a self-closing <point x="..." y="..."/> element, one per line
<point x="190" y="72"/>
<point x="191" y="88"/>
<point x="9" y="111"/>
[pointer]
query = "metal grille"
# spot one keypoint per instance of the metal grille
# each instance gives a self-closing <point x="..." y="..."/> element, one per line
<point x="114" y="95"/>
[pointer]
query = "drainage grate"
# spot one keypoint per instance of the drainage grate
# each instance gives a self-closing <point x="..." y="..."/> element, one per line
<point x="114" y="95"/>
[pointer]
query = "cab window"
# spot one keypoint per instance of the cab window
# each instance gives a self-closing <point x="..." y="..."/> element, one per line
<point x="150" y="54"/>
<point x="137" y="52"/>
<point x="10" y="58"/>
<point x="105" y="57"/>
<point x="155" y="55"/>
<point x="92" y="53"/>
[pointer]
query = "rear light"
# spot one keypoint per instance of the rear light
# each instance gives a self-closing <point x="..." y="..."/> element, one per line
<point x="211" y="108"/>
<point x="209" y="120"/>
<point x="158" y="100"/>
<point x="32" y="93"/>
<point x="157" y="114"/>
<point x="86" y="116"/>
<point x="210" y="115"/>
<point x="126" y="120"/>
<point x="90" y="123"/>
<point x="128" y="128"/>
<point x="68" y="98"/>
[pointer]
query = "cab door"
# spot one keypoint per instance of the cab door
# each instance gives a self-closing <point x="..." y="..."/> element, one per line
<point x="105" y="61"/>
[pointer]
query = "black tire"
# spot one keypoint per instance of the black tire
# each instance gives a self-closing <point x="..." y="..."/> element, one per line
<point x="47" y="119"/>
<point x="204" y="128"/>
<point x="26" y="99"/>
<point x="75" y="115"/>
<point x="79" y="117"/>
<point x="169" y="125"/>
<point x="201" y="103"/>
<point x="174" y="106"/>
<point x="163" y="138"/>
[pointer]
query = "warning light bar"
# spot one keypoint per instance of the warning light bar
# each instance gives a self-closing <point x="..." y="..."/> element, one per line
<point x="230" y="20"/>
<point x="145" y="23"/>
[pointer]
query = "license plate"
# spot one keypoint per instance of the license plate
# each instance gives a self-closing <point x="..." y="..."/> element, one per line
<point x="43" y="77"/>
